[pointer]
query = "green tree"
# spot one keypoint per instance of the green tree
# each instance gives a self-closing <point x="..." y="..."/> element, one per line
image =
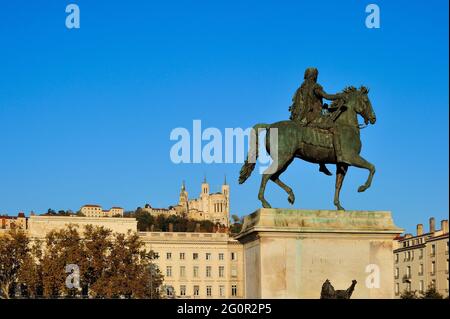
<point x="235" y="218"/>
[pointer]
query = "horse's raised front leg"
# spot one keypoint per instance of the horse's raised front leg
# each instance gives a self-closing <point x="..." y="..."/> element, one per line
<point x="360" y="162"/>
<point x="341" y="170"/>
<point x="287" y="189"/>
<point x="273" y="172"/>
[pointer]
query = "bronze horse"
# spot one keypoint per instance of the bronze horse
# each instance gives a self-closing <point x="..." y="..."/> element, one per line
<point x="291" y="144"/>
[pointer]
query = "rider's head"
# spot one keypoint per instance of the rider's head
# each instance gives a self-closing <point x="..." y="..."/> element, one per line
<point x="311" y="74"/>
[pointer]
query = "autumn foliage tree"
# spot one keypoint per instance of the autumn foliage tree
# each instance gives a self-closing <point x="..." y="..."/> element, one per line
<point x="110" y="265"/>
<point x="14" y="250"/>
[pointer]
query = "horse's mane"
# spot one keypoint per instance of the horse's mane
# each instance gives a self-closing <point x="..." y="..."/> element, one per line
<point x="348" y="90"/>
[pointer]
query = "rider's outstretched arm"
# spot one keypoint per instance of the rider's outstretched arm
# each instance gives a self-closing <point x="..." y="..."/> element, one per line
<point x="323" y="94"/>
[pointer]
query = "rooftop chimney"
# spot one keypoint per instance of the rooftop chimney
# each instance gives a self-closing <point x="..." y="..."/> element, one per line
<point x="444" y="226"/>
<point x="432" y="225"/>
<point x="419" y="229"/>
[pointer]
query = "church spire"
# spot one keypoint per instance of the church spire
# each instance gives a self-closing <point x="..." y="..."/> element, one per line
<point x="225" y="180"/>
<point x="183" y="186"/>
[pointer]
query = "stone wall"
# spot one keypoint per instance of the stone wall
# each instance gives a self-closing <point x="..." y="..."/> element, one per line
<point x="39" y="226"/>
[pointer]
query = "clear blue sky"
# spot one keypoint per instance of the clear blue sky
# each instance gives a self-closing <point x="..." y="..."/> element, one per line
<point x="86" y="114"/>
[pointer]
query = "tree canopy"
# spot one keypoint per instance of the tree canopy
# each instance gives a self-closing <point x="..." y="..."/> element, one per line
<point x="103" y="265"/>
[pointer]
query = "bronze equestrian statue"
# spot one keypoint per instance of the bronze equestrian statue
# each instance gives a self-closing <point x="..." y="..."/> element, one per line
<point x="333" y="138"/>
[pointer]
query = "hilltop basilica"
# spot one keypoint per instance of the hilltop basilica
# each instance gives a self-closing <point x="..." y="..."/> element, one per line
<point x="208" y="206"/>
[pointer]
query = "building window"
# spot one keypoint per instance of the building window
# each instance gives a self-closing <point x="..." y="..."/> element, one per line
<point x="182" y="290"/>
<point x="182" y="271"/>
<point x="421" y="253"/>
<point x="421" y="270"/>
<point x="233" y="272"/>
<point x="433" y="250"/>
<point x="196" y="290"/>
<point x="408" y="286"/>
<point x="433" y="267"/>
<point x="433" y="283"/>
<point x="169" y="256"/>
<point x="396" y="273"/>
<point x="397" y="288"/>
<point x="208" y="291"/>
<point x="169" y="271"/>
<point x="421" y="286"/>
<point x="169" y="291"/>
<point x="208" y="271"/>
<point x="195" y="256"/>
<point x="195" y="271"/>
<point x="234" y="290"/>
<point x="221" y="271"/>
<point x="409" y="256"/>
<point x="221" y="256"/>
<point x="233" y="256"/>
<point x="222" y="291"/>
<point x="208" y="256"/>
<point x="408" y="272"/>
<point x="181" y="256"/>
<point x="396" y="258"/>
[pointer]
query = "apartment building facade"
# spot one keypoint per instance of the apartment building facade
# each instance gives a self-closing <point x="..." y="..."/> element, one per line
<point x="198" y="265"/>
<point x="422" y="261"/>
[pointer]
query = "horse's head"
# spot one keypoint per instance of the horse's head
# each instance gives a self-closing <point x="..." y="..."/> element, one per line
<point x="365" y="107"/>
<point x="358" y="100"/>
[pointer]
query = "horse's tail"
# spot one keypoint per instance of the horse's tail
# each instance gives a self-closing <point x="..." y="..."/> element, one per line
<point x="252" y="156"/>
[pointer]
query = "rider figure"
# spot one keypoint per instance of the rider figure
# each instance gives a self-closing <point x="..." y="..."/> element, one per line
<point x="308" y="104"/>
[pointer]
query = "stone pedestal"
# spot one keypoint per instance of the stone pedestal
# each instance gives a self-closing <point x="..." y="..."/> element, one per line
<point x="290" y="253"/>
